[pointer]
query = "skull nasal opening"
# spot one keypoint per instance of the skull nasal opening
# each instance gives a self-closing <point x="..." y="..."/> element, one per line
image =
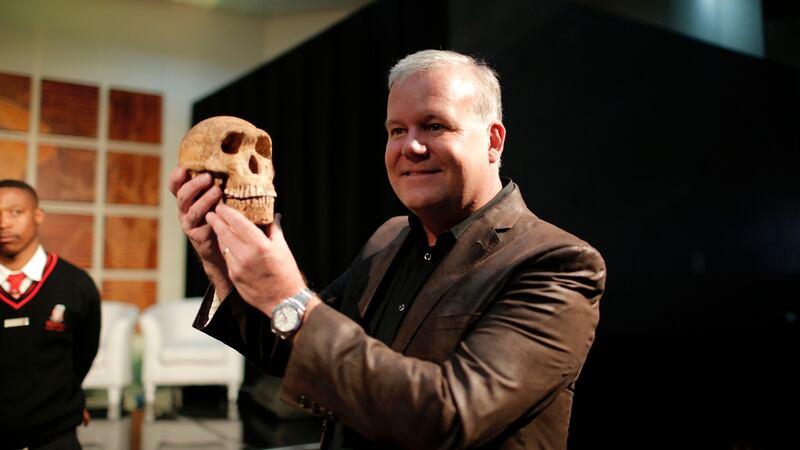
<point x="231" y="143"/>
<point x="253" y="164"/>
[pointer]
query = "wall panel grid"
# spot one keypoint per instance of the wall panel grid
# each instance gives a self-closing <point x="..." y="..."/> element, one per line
<point x="93" y="153"/>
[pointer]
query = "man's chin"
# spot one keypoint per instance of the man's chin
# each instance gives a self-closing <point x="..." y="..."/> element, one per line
<point x="420" y="204"/>
<point x="8" y="253"/>
<point x="423" y="207"/>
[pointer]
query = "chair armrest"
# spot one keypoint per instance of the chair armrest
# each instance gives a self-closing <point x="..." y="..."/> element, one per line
<point x="150" y="332"/>
<point x="122" y="329"/>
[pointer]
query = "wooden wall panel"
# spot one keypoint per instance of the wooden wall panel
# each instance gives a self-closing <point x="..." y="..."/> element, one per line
<point x="70" y="109"/>
<point x="133" y="179"/>
<point x="15" y="99"/>
<point x="131" y="243"/>
<point x="13" y="157"/>
<point x="139" y="293"/>
<point x="66" y="174"/>
<point x="134" y="117"/>
<point x="70" y="236"/>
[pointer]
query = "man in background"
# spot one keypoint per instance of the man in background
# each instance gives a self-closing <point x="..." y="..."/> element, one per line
<point x="49" y="334"/>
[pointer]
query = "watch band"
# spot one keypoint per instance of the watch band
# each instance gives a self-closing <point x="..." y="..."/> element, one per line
<point x="297" y="303"/>
<point x="302" y="297"/>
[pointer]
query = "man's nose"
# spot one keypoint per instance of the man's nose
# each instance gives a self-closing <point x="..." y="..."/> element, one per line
<point x="413" y="147"/>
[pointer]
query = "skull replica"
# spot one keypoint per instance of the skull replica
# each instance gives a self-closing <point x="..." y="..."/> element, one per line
<point x="239" y="158"/>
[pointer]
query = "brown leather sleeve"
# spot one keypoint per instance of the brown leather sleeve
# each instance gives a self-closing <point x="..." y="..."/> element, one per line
<point x="246" y="330"/>
<point x="527" y="347"/>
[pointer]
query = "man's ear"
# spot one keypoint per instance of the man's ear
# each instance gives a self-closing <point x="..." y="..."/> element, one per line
<point x="38" y="216"/>
<point x="497" y="139"/>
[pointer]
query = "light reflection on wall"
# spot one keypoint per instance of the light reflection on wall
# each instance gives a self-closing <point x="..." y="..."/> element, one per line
<point x="733" y="24"/>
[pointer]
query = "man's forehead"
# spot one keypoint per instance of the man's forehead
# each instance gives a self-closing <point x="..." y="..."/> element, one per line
<point x="9" y="194"/>
<point x="433" y="91"/>
<point x="421" y="115"/>
<point x="463" y="86"/>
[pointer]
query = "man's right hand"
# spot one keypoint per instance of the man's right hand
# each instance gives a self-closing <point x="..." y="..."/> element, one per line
<point x="192" y="208"/>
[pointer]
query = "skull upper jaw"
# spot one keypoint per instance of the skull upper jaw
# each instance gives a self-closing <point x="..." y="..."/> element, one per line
<point x="257" y="203"/>
<point x="258" y="210"/>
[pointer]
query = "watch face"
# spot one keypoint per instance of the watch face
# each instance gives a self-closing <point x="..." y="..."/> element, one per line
<point x="285" y="319"/>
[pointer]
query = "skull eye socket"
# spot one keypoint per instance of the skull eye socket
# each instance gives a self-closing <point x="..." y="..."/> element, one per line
<point x="231" y="143"/>
<point x="264" y="146"/>
<point x="253" y="164"/>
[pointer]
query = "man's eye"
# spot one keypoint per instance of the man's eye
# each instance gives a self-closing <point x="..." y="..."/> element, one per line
<point x="395" y="131"/>
<point x="435" y="127"/>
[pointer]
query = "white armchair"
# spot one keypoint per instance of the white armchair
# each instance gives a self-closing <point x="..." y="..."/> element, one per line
<point x="111" y="368"/>
<point x="176" y="354"/>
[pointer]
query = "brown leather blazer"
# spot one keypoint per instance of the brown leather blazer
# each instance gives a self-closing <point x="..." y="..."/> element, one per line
<point x="487" y="356"/>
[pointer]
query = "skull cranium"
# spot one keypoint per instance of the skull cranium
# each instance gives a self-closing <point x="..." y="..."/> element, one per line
<point x="239" y="158"/>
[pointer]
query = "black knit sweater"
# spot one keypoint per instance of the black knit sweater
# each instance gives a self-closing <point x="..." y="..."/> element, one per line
<point x="43" y="363"/>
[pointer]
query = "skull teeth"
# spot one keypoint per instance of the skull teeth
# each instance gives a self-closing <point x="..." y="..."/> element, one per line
<point x="245" y="192"/>
<point x="251" y="201"/>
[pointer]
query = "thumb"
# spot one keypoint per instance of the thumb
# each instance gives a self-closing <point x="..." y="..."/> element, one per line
<point x="275" y="229"/>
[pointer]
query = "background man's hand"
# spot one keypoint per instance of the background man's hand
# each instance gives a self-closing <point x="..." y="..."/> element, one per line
<point x="86" y="417"/>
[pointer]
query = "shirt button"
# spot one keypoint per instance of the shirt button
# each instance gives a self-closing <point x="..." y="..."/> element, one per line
<point x="402" y="307"/>
<point x="427" y="256"/>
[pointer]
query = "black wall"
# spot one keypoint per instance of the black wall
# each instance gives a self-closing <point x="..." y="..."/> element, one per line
<point x="675" y="158"/>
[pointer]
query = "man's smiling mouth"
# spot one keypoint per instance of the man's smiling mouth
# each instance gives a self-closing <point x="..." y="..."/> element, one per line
<point x="413" y="173"/>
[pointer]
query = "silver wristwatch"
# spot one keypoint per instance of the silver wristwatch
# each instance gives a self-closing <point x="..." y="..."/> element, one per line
<point x="288" y="314"/>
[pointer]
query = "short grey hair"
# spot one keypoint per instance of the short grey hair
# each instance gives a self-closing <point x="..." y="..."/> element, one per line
<point x="489" y="106"/>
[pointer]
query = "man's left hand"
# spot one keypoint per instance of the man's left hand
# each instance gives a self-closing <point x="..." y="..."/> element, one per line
<point x="260" y="265"/>
<point x="86" y="417"/>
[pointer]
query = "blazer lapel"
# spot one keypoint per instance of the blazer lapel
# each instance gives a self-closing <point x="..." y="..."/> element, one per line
<point x="480" y="240"/>
<point x="378" y="268"/>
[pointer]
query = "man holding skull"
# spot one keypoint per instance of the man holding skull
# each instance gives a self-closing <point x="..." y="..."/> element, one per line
<point x="463" y="325"/>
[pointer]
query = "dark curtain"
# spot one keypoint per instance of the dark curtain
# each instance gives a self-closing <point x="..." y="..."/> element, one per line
<point x="678" y="160"/>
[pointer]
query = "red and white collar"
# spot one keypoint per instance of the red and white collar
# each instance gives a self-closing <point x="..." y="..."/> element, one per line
<point x="33" y="269"/>
<point x="38" y="270"/>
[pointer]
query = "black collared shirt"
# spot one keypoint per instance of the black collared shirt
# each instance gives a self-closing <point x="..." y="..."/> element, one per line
<point x="410" y="269"/>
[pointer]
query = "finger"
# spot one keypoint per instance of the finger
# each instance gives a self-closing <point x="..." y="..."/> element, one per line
<point x="191" y="205"/>
<point x="176" y="179"/>
<point x="194" y="216"/>
<point x="226" y="237"/>
<point x="246" y="230"/>
<point x="191" y="189"/>
<point x="275" y="230"/>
